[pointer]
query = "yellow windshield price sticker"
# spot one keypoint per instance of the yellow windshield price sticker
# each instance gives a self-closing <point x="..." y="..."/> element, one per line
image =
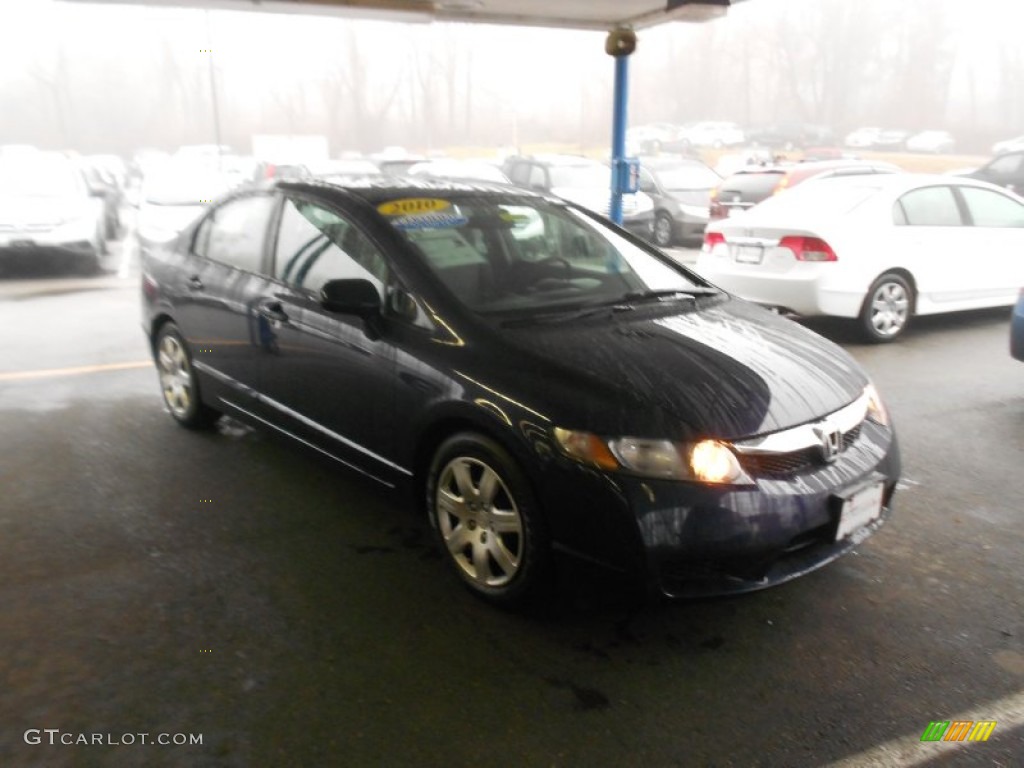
<point x="413" y="206"/>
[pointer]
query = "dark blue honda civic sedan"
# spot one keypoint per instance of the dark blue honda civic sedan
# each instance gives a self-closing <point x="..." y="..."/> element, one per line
<point x="543" y="380"/>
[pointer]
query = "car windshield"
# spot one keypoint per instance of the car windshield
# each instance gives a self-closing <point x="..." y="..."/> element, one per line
<point x="515" y="256"/>
<point x="688" y="177"/>
<point x="580" y="176"/>
<point x="42" y="178"/>
<point x="460" y="170"/>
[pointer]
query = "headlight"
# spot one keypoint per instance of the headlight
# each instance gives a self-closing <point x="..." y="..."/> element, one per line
<point x="876" y="408"/>
<point x="707" y="461"/>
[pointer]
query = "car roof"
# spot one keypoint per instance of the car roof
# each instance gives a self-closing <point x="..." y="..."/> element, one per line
<point x="376" y="189"/>
<point x="898" y="183"/>
<point x="555" y="159"/>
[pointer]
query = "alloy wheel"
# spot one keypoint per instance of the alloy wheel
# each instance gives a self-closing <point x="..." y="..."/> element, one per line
<point x="890" y="309"/>
<point x="479" y="522"/>
<point x="175" y="376"/>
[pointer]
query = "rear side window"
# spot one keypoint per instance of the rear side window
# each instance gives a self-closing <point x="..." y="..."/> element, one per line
<point x="1007" y="165"/>
<point x="991" y="209"/>
<point x="928" y="207"/>
<point x="235" y="233"/>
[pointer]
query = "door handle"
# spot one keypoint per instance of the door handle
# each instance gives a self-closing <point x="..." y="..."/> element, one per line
<point x="195" y="283"/>
<point x="272" y="310"/>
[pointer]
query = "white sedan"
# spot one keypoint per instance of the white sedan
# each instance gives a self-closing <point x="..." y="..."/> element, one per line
<point x="878" y="249"/>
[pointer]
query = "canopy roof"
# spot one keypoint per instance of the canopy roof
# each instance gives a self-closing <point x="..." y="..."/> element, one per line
<point x="572" y="14"/>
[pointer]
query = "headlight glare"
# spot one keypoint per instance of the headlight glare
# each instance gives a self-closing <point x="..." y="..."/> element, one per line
<point x="876" y="408"/>
<point x="713" y="462"/>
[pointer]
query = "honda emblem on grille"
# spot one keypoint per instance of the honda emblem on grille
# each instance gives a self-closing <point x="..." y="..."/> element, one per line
<point x="831" y="442"/>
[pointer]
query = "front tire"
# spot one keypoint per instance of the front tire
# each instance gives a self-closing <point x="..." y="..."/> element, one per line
<point x="486" y="519"/>
<point x="178" y="382"/>
<point x="887" y="308"/>
<point x="663" y="230"/>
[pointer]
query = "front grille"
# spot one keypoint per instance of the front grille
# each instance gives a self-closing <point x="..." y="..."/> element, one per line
<point x="782" y="464"/>
<point x="775" y="465"/>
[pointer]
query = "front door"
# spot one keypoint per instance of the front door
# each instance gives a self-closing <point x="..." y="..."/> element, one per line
<point x="330" y="377"/>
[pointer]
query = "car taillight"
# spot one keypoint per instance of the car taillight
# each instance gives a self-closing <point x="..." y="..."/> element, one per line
<point x="711" y="239"/>
<point x="270" y="171"/>
<point x="808" y="248"/>
<point x="783" y="184"/>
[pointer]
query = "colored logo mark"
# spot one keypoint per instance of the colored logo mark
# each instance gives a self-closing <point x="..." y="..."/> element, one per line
<point x="958" y="730"/>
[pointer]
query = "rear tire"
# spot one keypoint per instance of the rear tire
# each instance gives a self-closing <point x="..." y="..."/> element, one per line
<point x="487" y="520"/>
<point x="178" y="381"/>
<point x="887" y="309"/>
<point x="663" y="227"/>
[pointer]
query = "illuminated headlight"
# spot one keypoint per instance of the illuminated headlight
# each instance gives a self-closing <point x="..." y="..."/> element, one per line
<point x="876" y="408"/>
<point x="707" y="461"/>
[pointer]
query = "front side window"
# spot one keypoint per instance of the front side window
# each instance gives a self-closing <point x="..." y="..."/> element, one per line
<point x="928" y="207"/>
<point x="235" y="233"/>
<point x="315" y="244"/>
<point x="516" y="255"/>
<point x="992" y="209"/>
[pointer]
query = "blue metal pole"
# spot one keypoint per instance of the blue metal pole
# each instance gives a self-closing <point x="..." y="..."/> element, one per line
<point x="621" y="99"/>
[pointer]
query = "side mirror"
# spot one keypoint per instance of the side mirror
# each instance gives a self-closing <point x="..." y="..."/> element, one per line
<point x="351" y="296"/>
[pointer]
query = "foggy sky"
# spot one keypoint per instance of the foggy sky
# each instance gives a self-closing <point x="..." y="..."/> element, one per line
<point x="114" y="78"/>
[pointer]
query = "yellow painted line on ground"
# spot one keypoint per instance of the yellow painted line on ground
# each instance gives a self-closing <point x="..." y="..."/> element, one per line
<point x="77" y="370"/>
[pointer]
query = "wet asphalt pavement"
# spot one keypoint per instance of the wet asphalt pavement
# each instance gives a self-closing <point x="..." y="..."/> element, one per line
<point x="156" y="581"/>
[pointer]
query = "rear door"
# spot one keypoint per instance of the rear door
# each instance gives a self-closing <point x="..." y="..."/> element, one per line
<point x="223" y="272"/>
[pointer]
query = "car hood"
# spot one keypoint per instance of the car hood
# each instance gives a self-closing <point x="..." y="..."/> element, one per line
<point x="598" y="200"/>
<point x="727" y="369"/>
<point x="41" y="211"/>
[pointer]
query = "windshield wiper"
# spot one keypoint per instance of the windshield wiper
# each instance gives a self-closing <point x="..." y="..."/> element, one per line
<point x="574" y="312"/>
<point x="657" y="294"/>
<point x="624" y="303"/>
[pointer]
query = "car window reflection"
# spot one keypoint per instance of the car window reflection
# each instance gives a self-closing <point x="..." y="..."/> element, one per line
<point x="315" y="245"/>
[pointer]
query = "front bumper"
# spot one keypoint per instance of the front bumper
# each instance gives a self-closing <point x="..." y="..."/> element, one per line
<point x="688" y="227"/>
<point x="688" y="539"/>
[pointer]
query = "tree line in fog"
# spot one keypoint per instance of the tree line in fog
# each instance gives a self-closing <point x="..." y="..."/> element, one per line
<point x="116" y="78"/>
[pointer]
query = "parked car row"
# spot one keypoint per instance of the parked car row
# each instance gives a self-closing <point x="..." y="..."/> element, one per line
<point x="892" y="140"/>
<point x="47" y="206"/>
